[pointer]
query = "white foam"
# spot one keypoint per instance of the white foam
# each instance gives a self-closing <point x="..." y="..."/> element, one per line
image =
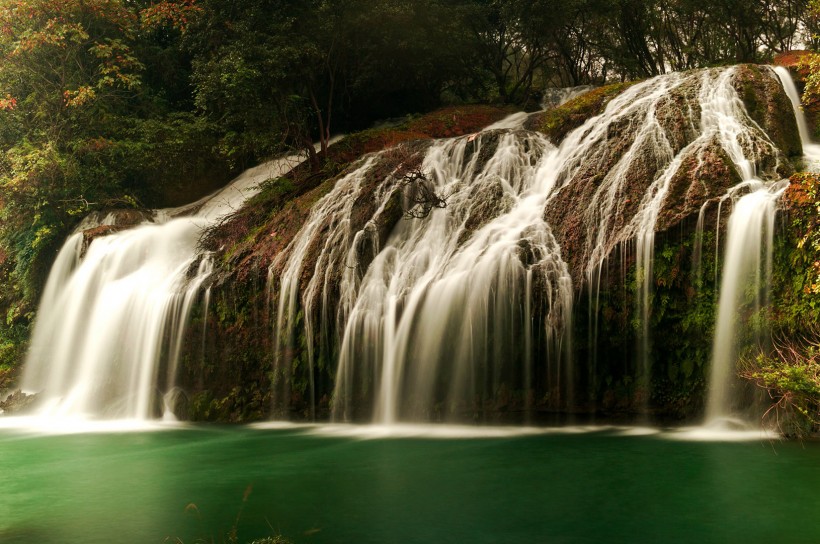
<point x="39" y="425"/>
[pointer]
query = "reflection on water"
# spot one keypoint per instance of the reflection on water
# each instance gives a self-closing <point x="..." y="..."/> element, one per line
<point x="323" y="484"/>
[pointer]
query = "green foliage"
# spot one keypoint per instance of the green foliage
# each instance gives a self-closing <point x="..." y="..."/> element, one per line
<point x="681" y="318"/>
<point x="558" y="122"/>
<point x="796" y="273"/>
<point x="789" y="371"/>
<point x="581" y="41"/>
<point x="790" y="374"/>
<point x="280" y="74"/>
<point x="82" y="130"/>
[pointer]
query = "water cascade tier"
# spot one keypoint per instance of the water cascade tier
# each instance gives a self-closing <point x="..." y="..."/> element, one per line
<point x="112" y="319"/>
<point x="747" y="269"/>
<point x="440" y="280"/>
<point x="504" y="274"/>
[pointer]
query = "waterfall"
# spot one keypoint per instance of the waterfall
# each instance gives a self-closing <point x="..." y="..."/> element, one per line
<point x="114" y="310"/>
<point x="811" y="150"/>
<point x="747" y="263"/>
<point x="436" y="280"/>
<point x="471" y="303"/>
<point x="445" y="293"/>
<point x="744" y="285"/>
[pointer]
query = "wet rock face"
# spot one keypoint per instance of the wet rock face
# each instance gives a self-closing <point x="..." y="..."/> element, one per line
<point x="670" y="147"/>
<point x="702" y="176"/>
<point x="16" y="403"/>
<point x="89" y="235"/>
<point x="122" y="219"/>
<point x="102" y="223"/>
<point x="769" y="107"/>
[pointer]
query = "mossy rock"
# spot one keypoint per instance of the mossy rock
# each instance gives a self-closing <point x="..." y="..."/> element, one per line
<point x="556" y="123"/>
<point x="768" y="105"/>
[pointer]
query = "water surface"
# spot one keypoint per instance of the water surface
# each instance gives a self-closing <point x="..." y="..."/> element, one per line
<point x="319" y="485"/>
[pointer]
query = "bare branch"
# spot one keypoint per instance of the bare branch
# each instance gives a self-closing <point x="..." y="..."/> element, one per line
<point x="420" y="195"/>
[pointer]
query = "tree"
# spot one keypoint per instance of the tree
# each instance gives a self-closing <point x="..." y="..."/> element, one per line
<point x="67" y="66"/>
<point x="72" y="89"/>
<point x="283" y="74"/>
<point x="512" y="41"/>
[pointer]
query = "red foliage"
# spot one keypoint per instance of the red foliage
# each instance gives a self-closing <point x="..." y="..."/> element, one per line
<point x="8" y="103"/>
<point x="791" y="59"/>
<point x="457" y="120"/>
<point x="176" y="14"/>
<point x="798" y="195"/>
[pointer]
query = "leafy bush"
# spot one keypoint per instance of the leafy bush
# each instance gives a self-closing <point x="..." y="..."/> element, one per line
<point x="790" y="374"/>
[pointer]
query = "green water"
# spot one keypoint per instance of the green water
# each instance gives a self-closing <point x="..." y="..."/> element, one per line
<point x="597" y="486"/>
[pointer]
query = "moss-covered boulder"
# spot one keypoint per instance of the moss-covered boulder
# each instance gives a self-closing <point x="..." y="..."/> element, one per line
<point x="632" y="161"/>
<point x="766" y="103"/>
<point x="557" y="122"/>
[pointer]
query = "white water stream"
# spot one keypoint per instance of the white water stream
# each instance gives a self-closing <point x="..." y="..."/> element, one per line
<point x="114" y="311"/>
<point x="442" y="320"/>
<point x="747" y="264"/>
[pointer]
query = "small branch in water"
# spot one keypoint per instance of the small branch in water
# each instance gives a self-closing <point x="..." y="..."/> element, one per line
<point x="421" y="195"/>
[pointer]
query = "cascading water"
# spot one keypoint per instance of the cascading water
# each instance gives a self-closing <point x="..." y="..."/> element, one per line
<point x="747" y="262"/>
<point x="811" y="150"/>
<point x="444" y="315"/>
<point x="114" y="310"/>
<point x="446" y="292"/>
<point x="436" y="280"/>
<point x="449" y="296"/>
<point x="744" y="285"/>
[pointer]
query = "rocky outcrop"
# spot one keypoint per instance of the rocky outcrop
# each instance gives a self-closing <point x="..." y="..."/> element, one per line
<point x="770" y="108"/>
<point x="16" y="403"/>
<point x="618" y="171"/>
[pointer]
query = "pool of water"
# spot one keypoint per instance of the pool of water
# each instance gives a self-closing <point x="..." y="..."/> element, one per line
<point x="415" y="485"/>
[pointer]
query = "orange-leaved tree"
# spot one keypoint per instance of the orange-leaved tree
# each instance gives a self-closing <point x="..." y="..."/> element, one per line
<point x="70" y="80"/>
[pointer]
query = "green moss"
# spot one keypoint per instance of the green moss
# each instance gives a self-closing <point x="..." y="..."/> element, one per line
<point x="769" y="106"/>
<point x="790" y="373"/>
<point x="556" y="123"/>
<point x="682" y="314"/>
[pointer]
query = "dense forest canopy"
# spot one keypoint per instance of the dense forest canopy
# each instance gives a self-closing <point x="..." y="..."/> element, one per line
<point x="136" y="103"/>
